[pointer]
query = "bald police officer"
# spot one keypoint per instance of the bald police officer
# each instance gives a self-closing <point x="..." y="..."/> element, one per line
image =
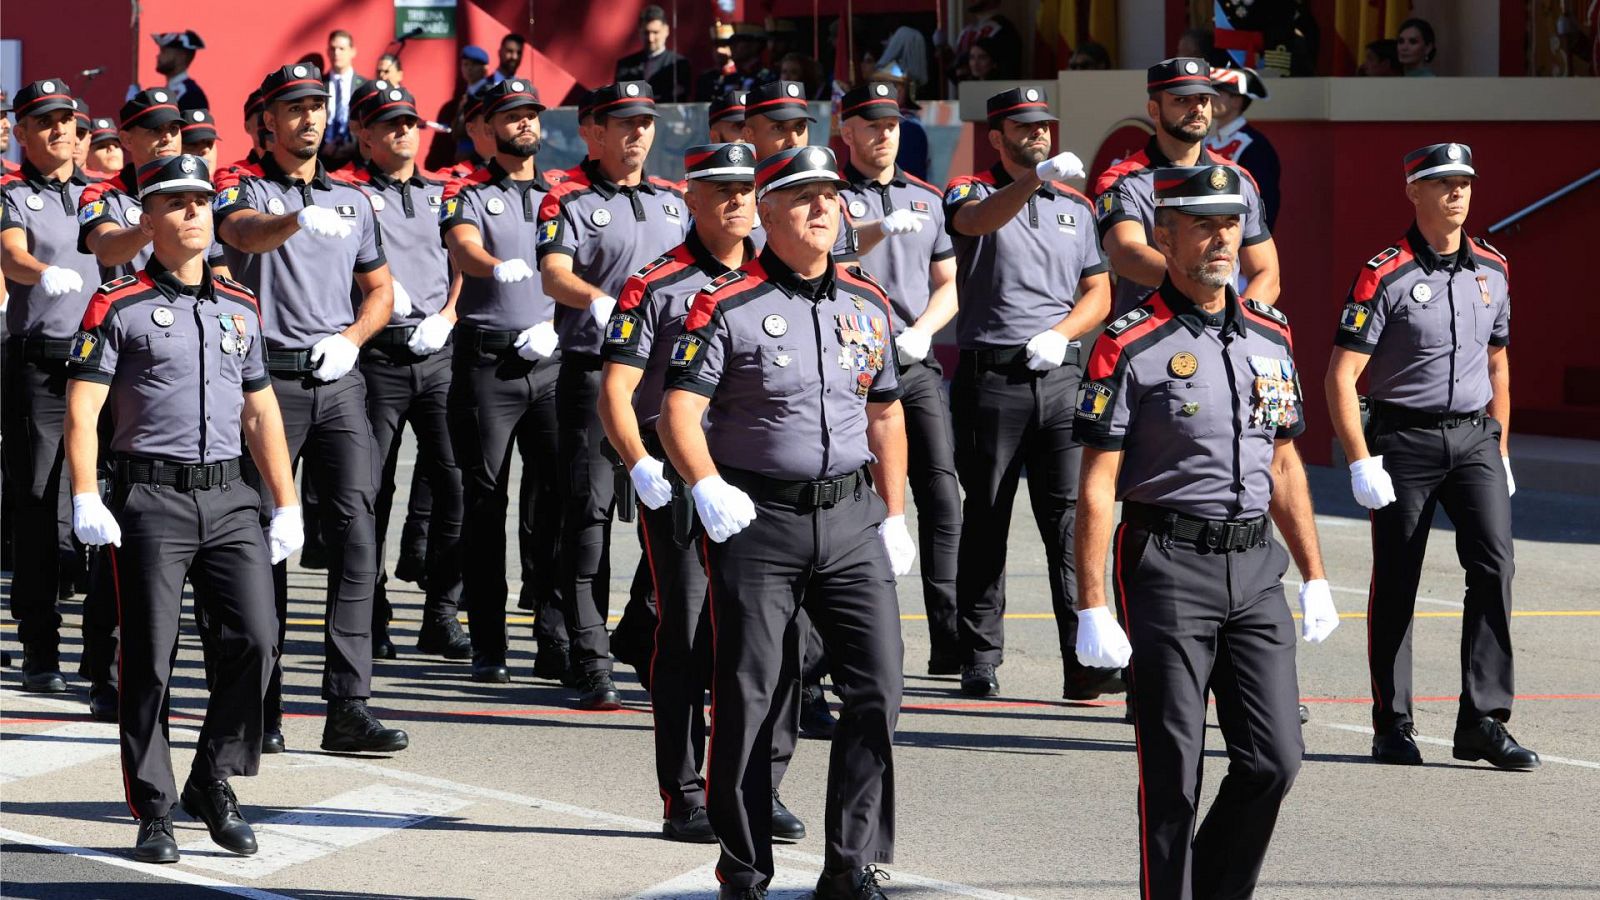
<point x="177" y="351"/>
<point x="297" y="238"/>
<point x="1188" y="411"/>
<point x="1429" y="319"/>
<point x="789" y="362"/>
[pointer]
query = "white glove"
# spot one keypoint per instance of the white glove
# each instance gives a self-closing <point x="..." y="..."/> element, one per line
<point x="92" y="523"/>
<point x="430" y="335"/>
<point x="1318" y="618"/>
<point x="286" y="532"/>
<point x="724" y="509"/>
<point x="601" y="308"/>
<point x="1059" y="167"/>
<point x="402" y="302"/>
<point x="897" y="540"/>
<point x="1511" y="481"/>
<point x="1047" y="350"/>
<point x="322" y="222"/>
<point x="1370" y="483"/>
<point x="901" y="221"/>
<point x="913" y="344"/>
<point x="59" y="282"/>
<point x="334" y="356"/>
<point x="1101" y="643"/>
<point x="650" y="482"/>
<point x="512" y="271"/>
<point x="536" y="343"/>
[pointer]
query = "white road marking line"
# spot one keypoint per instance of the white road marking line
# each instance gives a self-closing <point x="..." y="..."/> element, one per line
<point x="163" y="872"/>
<point x="1362" y="592"/>
<point x="39" y="753"/>
<point x="1441" y="742"/>
<point x="312" y="832"/>
<point x="701" y="884"/>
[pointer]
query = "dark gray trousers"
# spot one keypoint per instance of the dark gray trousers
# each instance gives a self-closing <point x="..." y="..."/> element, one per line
<point x="931" y="470"/>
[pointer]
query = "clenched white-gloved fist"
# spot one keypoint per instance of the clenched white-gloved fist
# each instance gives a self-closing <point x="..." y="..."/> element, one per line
<point x="92" y="523"/>
<point x="402" y="302"/>
<point x="322" y="222"/>
<point x="1318" y="618"/>
<point x="650" y="482"/>
<point x="913" y="344"/>
<point x="1370" y="483"/>
<point x="59" y="282"/>
<point x="1047" y="350"/>
<point x="724" y="509"/>
<point x="512" y="271"/>
<point x="430" y="335"/>
<point x="601" y="309"/>
<point x="334" y="357"/>
<point x="286" y="532"/>
<point x="897" y="541"/>
<point x="1511" y="480"/>
<point x="901" y="221"/>
<point x="1101" y="642"/>
<point x="536" y="343"/>
<point x="1059" y="167"/>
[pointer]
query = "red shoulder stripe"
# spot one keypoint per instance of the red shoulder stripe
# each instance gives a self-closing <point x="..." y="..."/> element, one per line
<point x="919" y="182"/>
<point x="1109" y="348"/>
<point x="455" y="185"/>
<point x="843" y="271"/>
<point x="550" y="206"/>
<point x="1127" y="166"/>
<point x="100" y="304"/>
<point x="1268" y="321"/>
<point x="706" y="303"/>
<point x="670" y="185"/>
<point x="1070" y="191"/>
<point x="99" y="189"/>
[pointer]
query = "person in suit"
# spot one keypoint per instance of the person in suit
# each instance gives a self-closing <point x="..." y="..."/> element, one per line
<point x="338" y="143"/>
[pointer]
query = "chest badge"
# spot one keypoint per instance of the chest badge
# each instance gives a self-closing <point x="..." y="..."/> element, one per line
<point x="1183" y="365"/>
<point x="1189" y="409"/>
<point x="858" y="208"/>
<point x="1483" y="290"/>
<point x="162" y="316"/>
<point x="1421" y="292"/>
<point x="132" y="214"/>
<point x="775" y="325"/>
<point x="781" y="360"/>
<point x="860" y="303"/>
<point x="378" y="203"/>
<point x="671" y="210"/>
<point x="35" y="202"/>
<point x="600" y="217"/>
<point x="495" y="206"/>
<point x="275" y="206"/>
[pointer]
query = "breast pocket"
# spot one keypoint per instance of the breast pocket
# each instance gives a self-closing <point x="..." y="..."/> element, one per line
<point x="172" y="356"/>
<point x="783" y="371"/>
<point x="1483" y="315"/>
<point x="1424" y="324"/>
<point x="1187" y="405"/>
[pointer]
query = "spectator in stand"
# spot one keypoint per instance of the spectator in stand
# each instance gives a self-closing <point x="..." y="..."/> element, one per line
<point x="802" y="68"/>
<point x="338" y="142"/>
<point x="980" y="60"/>
<point x="1089" y="56"/>
<point x="511" y="50"/>
<point x="1201" y="43"/>
<point x="989" y="23"/>
<point x="1382" y="60"/>
<point x="908" y="49"/>
<point x="474" y="69"/>
<point x="743" y="70"/>
<point x="389" y="69"/>
<point x="666" y="70"/>
<point x="1416" y="47"/>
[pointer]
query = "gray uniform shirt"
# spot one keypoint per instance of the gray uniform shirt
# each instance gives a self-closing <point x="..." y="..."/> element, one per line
<point x="46" y="211"/>
<point x="1022" y="278"/>
<point x="1428" y="323"/>
<point x="111" y="202"/>
<point x="506" y="213"/>
<point x="303" y="285"/>
<point x="179" y="361"/>
<point x="789" y="366"/>
<point x="900" y="262"/>
<point x="408" y="213"/>
<point x="610" y="231"/>
<point x="1194" y="402"/>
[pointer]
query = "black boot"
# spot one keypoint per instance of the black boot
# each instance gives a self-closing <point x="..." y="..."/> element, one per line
<point x="1488" y="740"/>
<point x="786" y="826"/>
<point x="1084" y="683"/>
<point x="691" y="827"/>
<point x="352" y="728"/>
<point x="979" y="680"/>
<point x="41" y="673"/>
<point x="731" y="892"/>
<point x="1397" y="746"/>
<point x="816" y="720"/>
<point x="156" y="843"/>
<point x="214" y="803"/>
<point x="444" y="638"/>
<point x="852" y="884"/>
<point x="599" y="693"/>
<point x="382" y="647"/>
<point x="554" y="662"/>
<point x="102" y="702"/>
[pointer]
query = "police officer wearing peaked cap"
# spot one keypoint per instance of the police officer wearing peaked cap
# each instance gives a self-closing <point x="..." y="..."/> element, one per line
<point x="177" y="53"/>
<point x="1428" y="321"/>
<point x="789" y="362"/>
<point x="1188" y="411"/>
<point x="178" y="353"/>
<point x="725" y="117"/>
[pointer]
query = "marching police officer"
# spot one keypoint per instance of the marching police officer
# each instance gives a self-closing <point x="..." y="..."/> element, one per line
<point x="1180" y="93"/>
<point x="788" y="360"/>
<point x="177" y="351"/>
<point x="594" y="231"/>
<point x="503" y="387"/>
<point x="1188" y="411"/>
<point x="48" y="281"/>
<point x="918" y="271"/>
<point x="1025" y="247"/>
<point x="1429" y="319"/>
<point x="725" y="118"/>
<point x="200" y="136"/>
<point x="296" y="238"/>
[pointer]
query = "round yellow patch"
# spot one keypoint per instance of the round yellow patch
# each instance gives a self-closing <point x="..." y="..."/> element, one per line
<point x="1182" y="365"/>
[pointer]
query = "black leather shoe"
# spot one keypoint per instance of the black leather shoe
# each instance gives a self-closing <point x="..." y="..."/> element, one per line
<point x="102" y="702"/>
<point x="382" y="647"/>
<point x="1305" y="714"/>
<point x="156" y="843"/>
<point x="41" y="673"/>
<point x="214" y="803"/>
<point x="692" y="827"/>
<point x="1489" y="741"/>
<point x="852" y="884"/>
<point x="816" y="720"/>
<point x="552" y="662"/>
<point x="940" y="664"/>
<point x="446" y="639"/>
<point x="490" y="674"/>
<point x="272" y="742"/>
<point x="352" y="728"/>
<point x="730" y="892"/>
<point x="786" y="826"/>
<point x="1083" y="683"/>
<point x="1397" y="746"/>
<point x="411" y="568"/>
<point x="979" y="680"/>
<point x="599" y="693"/>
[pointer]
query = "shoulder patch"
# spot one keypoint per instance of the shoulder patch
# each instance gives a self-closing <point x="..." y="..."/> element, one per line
<point x="958" y="192"/>
<point x="722" y="281"/>
<point x="118" y="284"/>
<point x="234" y="286"/>
<point x="1270" y="312"/>
<point x="226" y="198"/>
<point x="1129" y="319"/>
<point x="91" y="211"/>
<point x="1490" y="247"/>
<point x="653" y="266"/>
<point x="860" y="274"/>
<point x="1387" y="254"/>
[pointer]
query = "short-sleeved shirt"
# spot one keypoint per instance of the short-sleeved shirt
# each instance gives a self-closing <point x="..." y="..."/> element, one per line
<point x="408" y="212"/>
<point x="900" y="263"/>
<point x="46" y="212"/>
<point x="1194" y="401"/>
<point x="179" y="361"/>
<point x="110" y="202"/>
<point x="1126" y="192"/>
<point x="650" y="315"/>
<point x="610" y="231"/>
<point x="790" y="367"/>
<point x="1021" y="278"/>
<point x="303" y="285"/>
<point x="1428" y="322"/>
<point x="506" y="213"/>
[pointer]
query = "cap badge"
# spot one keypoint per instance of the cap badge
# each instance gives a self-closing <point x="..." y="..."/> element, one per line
<point x="882" y="90"/>
<point x="736" y="154"/>
<point x="775" y="325"/>
<point x="1219" y="179"/>
<point x="162" y="316"/>
<point x="187" y="165"/>
<point x="1421" y="293"/>
<point x="299" y="71"/>
<point x="817" y="157"/>
<point x="159" y="96"/>
<point x="1032" y="95"/>
<point x="1453" y="151"/>
<point x="1191" y="67"/>
<point x="395" y="94"/>
<point x="601" y="217"/>
<point x="198" y="116"/>
<point x="47" y="86"/>
<point x="792" y="90"/>
<point x="632" y="90"/>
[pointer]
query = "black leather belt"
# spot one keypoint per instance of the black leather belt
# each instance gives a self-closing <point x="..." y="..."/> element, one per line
<point x="45" y="349"/>
<point x="394" y="337"/>
<point x="652" y="443"/>
<point x="1008" y="357"/>
<point x="804" y="494"/>
<point x="289" y="362"/>
<point x="584" y="361"/>
<point x="484" y="340"/>
<point x="1222" y="535"/>
<point x="1394" y="416"/>
<point x="184" y="477"/>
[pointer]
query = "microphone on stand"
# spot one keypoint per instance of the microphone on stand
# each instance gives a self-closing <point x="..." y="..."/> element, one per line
<point x="89" y="74"/>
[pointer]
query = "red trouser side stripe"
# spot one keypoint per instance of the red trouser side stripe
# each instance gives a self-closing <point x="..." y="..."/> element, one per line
<point x="122" y="684"/>
<point x="655" y="585"/>
<point x="1138" y="747"/>
<point x="1372" y="589"/>
<point x="711" y="732"/>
